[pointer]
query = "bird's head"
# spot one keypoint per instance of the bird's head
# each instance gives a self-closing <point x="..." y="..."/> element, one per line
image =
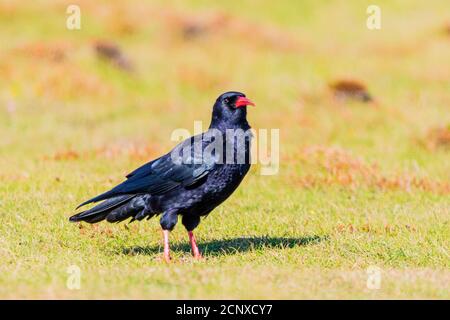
<point x="230" y="110"/>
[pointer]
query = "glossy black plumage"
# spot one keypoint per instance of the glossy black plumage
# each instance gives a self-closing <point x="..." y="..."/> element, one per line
<point x="191" y="188"/>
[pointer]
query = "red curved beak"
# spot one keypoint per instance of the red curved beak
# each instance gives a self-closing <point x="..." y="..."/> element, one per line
<point x="243" y="101"/>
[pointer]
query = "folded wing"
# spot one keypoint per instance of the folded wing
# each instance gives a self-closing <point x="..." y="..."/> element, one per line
<point x="162" y="175"/>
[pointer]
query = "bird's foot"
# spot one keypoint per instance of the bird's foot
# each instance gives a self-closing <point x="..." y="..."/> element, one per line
<point x="167" y="258"/>
<point x="198" y="256"/>
<point x="196" y="253"/>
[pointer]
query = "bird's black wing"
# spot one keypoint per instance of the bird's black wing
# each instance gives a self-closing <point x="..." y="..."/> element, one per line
<point x="163" y="174"/>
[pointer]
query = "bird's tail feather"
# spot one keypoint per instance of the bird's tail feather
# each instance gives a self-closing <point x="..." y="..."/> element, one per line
<point x="103" y="196"/>
<point x="135" y="208"/>
<point x="116" y="209"/>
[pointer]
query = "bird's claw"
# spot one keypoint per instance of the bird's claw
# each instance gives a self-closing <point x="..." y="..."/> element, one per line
<point x="167" y="258"/>
<point x="198" y="256"/>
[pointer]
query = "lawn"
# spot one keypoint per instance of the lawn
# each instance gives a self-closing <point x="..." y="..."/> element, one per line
<point x="363" y="187"/>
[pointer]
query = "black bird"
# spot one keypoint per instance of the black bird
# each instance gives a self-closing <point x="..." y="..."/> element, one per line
<point x="191" y="180"/>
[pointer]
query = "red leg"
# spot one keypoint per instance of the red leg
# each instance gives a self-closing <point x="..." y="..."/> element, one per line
<point x="195" y="251"/>
<point x="166" y="245"/>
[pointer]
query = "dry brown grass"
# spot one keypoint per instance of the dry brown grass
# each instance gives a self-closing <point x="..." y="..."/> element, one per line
<point x="438" y="138"/>
<point x="76" y="81"/>
<point x="348" y="89"/>
<point x="50" y="71"/>
<point x="131" y="149"/>
<point x="224" y="25"/>
<point x="335" y="166"/>
<point x="113" y="53"/>
<point x="447" y="28"/>
<point x="55" y="51"/>
<point x="374" y="228"/>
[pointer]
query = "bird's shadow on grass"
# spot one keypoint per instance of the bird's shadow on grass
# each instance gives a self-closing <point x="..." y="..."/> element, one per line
<point x="231" y="246"/>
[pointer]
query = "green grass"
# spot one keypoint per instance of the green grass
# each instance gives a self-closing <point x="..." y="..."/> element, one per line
<point x="358" y="184"/>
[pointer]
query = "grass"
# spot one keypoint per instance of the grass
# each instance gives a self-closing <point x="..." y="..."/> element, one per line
<point x="360" y="184"/>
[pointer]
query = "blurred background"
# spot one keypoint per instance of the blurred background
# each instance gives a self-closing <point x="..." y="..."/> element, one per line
<point x="364" y="119"/>
<point x="137" y="70"/>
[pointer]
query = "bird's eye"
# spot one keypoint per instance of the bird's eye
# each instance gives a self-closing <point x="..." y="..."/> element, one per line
<point x="226" y="100"/>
